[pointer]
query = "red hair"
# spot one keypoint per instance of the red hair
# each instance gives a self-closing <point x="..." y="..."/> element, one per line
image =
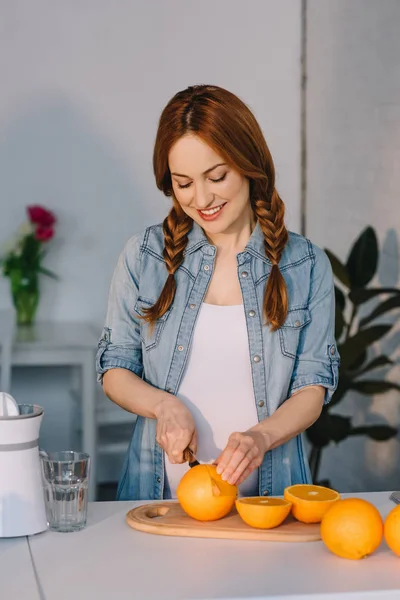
<point x="226" y="124"/>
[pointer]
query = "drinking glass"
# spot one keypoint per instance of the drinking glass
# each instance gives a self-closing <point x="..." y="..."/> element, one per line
<point x="65" y="483"/>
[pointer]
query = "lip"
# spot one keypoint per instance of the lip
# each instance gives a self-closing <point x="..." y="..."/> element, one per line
<point x="214" y="216"/>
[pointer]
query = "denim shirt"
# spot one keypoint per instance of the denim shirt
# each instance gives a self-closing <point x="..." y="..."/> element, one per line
<point x="301" y="353"/>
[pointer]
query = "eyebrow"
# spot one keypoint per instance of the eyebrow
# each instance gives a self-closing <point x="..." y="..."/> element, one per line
<point x="205" y="172"/>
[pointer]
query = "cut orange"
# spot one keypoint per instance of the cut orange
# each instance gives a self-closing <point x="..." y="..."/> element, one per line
<point x="263" y="513"/>
<point x="352" y="528"/>
<point x="392" y="530"/>
<point x="310" y="502"/>
<point x="203" y="495"/>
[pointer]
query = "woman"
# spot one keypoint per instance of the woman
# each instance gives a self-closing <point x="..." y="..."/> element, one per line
<point x="220" y="326"/>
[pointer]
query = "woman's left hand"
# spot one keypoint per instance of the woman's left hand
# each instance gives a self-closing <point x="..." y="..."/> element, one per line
<point x="243" y="454"/>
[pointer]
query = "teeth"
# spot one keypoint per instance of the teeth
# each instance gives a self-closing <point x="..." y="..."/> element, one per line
<point x="212" y="211"/>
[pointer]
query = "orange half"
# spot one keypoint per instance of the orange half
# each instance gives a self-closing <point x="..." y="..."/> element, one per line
<point x="263" y="513"/>
<point x="310" y="502"/>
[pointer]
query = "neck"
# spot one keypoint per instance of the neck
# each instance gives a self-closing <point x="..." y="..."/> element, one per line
<point x="236" y="237"/>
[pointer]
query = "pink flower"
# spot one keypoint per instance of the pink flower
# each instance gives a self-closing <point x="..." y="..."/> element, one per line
<point x="42" y="217"/>
<point x="43" y="233"/>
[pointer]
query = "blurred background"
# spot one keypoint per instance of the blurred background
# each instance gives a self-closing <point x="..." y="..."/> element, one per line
<point x="83" y="85"/>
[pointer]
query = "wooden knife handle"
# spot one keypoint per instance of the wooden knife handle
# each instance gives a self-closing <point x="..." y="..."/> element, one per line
<point x="188" y="456"/>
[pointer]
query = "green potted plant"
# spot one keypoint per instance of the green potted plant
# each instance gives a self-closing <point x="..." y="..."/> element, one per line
<point x="22" y="263"/>
<point x="355" y="334"/>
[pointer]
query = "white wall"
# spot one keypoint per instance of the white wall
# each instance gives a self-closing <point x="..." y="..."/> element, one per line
<point x="353" y="107"/>
<point x="83" y="85"/>
<point x="82" y="88"/>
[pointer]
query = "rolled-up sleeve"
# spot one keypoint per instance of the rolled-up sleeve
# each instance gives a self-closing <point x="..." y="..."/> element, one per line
<point x="120" y="344"/>
<point x="317" y="359"/>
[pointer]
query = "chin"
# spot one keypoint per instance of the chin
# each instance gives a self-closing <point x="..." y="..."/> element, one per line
<point x="210" y="227"/>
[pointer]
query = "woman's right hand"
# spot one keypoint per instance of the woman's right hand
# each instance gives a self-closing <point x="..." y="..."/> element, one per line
<point x="175" y="428"/>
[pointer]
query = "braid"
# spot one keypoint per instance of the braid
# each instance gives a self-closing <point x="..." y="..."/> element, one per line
<point x="270" y="214"/>
<point x="176" y="227"/>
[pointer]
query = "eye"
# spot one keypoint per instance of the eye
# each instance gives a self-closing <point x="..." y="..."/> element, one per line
<point x="182" y="187"/>
<point x="218" y="180"/>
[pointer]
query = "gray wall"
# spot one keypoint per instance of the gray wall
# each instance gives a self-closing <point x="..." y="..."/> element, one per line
<point x="82" y="88"/>
<point x="353" y="140"/>
<point x="83" y="85"/>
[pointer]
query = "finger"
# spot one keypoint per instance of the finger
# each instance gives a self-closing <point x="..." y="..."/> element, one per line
<point x="179" y="445"/>
<point x="161" y="438"/>
<point x="168" y="436"/>
<point x="193" y="443"/>
<point x="251" y="467"/>
<point x="245" y="447"/>
<point x="232" y="479"/>
<point x="251" y="455"/>
<point x="226" y="454"/>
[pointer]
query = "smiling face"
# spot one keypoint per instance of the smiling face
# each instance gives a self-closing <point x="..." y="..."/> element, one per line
<point x="209" y="190"/>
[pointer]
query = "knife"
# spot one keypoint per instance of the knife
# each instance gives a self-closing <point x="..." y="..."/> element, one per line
<point x="190" y="457"/>
<point x="395" y="497"/>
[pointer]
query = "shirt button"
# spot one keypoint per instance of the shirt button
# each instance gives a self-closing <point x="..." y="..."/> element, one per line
<point x="265" y="493"/>
<point x="252" y="313"/>
<point x="256" y="358"/>
<point x="244" y="274"/>
<point x="333" y="350"/>
<point x="206" y="267"/>
<point x="297" y="324"/>
<point x="180" y="348"/>
<point x="169" y="390"/>
<point x="158" y="479"/>
<point x="192" y="306"/>
<point x="261" y="403"/>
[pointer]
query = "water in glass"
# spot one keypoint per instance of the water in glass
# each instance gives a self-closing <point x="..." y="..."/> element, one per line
<point x="65" y="482"/>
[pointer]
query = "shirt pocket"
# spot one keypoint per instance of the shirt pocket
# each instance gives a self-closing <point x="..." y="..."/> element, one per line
<point x="150" y="334"/>
<point x="289" y="333"/>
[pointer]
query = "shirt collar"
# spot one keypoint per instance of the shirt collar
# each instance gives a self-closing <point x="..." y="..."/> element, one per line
<point x="255" y="245"/>
<point x="196" y="239"/>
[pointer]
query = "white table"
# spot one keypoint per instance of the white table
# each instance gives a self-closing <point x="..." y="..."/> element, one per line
<point x="48" y="344"/>
<point x="17" y="574"/>
<point x="110" y="560"/>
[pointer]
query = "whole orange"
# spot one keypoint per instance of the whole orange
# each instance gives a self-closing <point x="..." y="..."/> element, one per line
<point x="391" y="530"/>
<point x="352" y="528"/>
<point x="203" y="495"/>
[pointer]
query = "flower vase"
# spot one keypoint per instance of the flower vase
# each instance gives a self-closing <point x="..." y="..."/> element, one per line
<point x="25" y="295"/>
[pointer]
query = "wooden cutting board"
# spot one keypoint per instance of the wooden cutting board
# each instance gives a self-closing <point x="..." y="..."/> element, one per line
<point x="168" y="518"/>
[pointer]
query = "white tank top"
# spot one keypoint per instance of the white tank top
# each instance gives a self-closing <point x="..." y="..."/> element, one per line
<point x="217" y="387"/>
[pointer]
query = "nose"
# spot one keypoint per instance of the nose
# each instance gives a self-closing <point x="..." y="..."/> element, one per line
<point x="202" y="198"/>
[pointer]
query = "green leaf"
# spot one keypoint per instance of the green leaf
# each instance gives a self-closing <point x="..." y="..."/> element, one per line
<point x="325" y="483"/>
<point x="363" y="295"/>
<point x="371" y="387"/>
<point x="339" y="427"/>
<point x="389" y="304"/>
<point x="47" y="273"/>
<point x="380" y="361"/>
<point x="354" y="346"/>
<point x="340" y="300"/>
<point x="363" y="259"/>
<point x="358" y="362"/>
<point x="329" y="428"/>
<point x="341" y="390"/>
<point x="338" y="268"/>
<point x="339" y="324"/>
<point x="379" y="433"/>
